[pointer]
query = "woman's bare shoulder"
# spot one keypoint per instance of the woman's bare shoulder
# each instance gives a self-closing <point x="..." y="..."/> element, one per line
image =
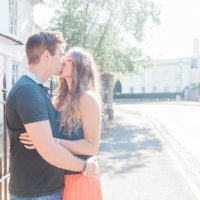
<point x="89" y="97"/>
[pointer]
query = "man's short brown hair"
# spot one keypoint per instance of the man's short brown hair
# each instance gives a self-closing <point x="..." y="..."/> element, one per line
<point x="41" y="41"/>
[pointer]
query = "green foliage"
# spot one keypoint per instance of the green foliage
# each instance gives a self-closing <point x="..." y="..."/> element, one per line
<point x="148" y="95"/>
<point x="117" y="88"/>
<point x="112" y="30"/>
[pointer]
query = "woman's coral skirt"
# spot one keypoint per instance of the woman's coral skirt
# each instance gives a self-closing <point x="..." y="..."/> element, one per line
<point x="81" y="187"/>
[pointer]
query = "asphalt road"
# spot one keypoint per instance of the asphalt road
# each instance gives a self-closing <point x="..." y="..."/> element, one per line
<point x="137" y="163"/>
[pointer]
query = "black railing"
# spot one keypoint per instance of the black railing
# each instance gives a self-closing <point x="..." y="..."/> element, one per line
<point x="4" y="155"/>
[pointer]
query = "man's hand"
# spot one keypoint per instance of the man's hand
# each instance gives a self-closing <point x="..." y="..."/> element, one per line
<point x="92" y="167"/>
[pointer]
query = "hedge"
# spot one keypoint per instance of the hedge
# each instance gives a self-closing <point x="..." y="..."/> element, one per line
<point x="148" y="95"/>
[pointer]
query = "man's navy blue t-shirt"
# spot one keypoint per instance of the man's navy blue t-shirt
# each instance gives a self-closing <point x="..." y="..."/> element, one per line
<point x="30" y="174"/>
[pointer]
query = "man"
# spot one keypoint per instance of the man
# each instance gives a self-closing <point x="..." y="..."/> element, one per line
<point x="29" y="109"/>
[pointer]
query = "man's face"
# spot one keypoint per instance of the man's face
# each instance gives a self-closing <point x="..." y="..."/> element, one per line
<point x="57" y="61"/>
<point x="68" y="67"/>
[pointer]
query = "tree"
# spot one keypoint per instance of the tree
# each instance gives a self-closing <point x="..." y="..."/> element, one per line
<point x="112" y="30"/>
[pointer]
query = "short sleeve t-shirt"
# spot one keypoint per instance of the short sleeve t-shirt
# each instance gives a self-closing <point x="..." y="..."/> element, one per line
<point x="30" y="174"/>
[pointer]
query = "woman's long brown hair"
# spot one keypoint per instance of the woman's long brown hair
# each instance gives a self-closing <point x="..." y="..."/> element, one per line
<point x="85" y="77"/>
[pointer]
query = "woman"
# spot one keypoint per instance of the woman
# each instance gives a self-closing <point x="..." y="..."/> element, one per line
<point x="78" y="104"/>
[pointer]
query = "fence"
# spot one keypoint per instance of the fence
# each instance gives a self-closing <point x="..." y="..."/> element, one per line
<point x="4" y="153"/>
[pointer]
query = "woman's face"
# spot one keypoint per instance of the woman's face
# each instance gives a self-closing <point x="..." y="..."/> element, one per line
<point x="68" y="66"/>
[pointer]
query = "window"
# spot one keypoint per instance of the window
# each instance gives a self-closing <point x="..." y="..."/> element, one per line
<point x="15" y="73"/>
<point x="154" y="89"/>
<point x="143" y="89"/>
<point x="131" y="89"/>
<point x="194" y="63"/>
<point x="178" y="89"/>
<point x="178" y="75"/>
<point x="166" y="89"/>
<point x="13" y="16"/>
<point x="166" y="75"/>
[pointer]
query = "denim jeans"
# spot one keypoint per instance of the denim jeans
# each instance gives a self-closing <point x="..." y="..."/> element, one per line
<point x="54" y="196"/>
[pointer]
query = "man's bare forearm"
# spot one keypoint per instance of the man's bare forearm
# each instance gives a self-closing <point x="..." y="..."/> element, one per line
<point x="41" y="135"/>
<point x="61" y="157"/>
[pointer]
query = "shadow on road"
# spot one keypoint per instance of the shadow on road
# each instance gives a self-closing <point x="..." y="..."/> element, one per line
<point x="127" y="146"/>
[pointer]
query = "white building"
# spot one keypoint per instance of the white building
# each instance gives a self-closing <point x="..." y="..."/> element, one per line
<point x="166" y="76"/>
<point x="16" y="19"/>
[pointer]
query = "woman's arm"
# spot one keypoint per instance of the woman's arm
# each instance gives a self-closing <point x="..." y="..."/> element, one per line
<point x="89" y="108"/>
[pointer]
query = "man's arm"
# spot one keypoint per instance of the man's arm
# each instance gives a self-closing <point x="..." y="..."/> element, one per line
<point x="41" y="136"/>
<point x="31" y="106"/>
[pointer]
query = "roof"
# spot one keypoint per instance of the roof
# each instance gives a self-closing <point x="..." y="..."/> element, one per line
<point x="9" y="40"/>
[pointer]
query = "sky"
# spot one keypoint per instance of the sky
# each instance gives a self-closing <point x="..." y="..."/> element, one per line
<point x="43" y="13"/>
<point x="180" y="24"/>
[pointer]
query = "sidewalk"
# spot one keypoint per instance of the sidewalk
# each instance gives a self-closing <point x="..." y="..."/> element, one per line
<point x="136" y="164"/>
<point x="186" y="103"/>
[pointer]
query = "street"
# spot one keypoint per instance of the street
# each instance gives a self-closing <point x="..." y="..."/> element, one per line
<point x="151" y="152"/>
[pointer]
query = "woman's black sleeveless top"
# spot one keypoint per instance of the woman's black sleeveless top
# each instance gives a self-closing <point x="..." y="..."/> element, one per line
<point x="75" y="135"/>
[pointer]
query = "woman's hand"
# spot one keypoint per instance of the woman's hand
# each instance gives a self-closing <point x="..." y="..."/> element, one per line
<point x="26" y="140"/>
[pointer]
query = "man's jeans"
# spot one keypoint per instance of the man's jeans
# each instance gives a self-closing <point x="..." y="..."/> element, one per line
<point x="54" y="196"/>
